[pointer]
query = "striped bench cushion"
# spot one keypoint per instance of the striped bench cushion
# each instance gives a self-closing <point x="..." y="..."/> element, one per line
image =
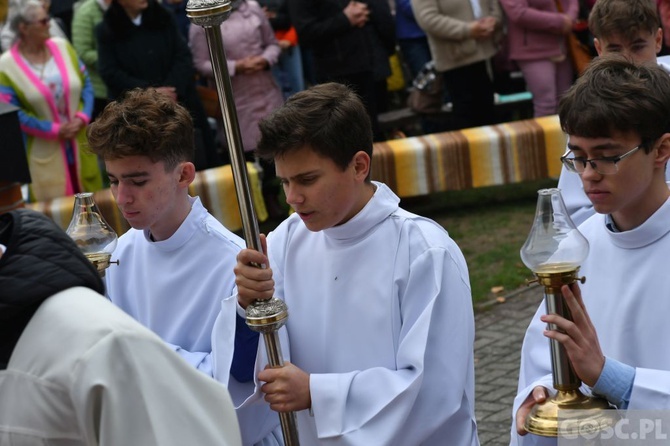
<point x="482" y="156"/>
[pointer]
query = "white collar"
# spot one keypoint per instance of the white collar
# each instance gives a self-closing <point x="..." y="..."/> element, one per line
<point x="137" y="21"/>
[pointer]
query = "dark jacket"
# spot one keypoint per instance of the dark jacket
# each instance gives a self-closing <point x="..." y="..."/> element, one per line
<point x="281" y="21"/>
<point x="153" y="54"/>
<point x="40" y="261"/>
<point x="337" y="47"/>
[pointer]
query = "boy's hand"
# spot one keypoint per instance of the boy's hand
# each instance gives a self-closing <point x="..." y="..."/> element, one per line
<point x="538" y="395"/>
<point x="579" y="337"/>
<point x="253" y="282"/>
<point x="286" y="388"/>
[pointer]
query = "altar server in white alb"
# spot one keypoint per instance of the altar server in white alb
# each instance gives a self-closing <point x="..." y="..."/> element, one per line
<point x="630" y="28"/>
<point x="77" y="371"/>
<point x="617" y="117"/>
<point x="379" y="339"/>
<point x="176" y="263"/>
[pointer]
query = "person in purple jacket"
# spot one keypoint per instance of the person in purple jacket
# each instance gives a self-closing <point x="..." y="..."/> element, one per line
<point x="251" y="50"/>
<point x="537" y="43"/>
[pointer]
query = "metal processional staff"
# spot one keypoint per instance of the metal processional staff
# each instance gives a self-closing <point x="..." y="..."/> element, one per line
<point x="266" y="316"/>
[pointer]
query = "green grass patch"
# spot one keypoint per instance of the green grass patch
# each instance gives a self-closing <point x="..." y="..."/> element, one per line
<point x="490" y="239"/>
<point x="489" y="225"/>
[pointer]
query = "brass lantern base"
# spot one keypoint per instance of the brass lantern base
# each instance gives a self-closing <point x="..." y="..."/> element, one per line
<point x="101" y="261"/>
<point x="544" y="420"/>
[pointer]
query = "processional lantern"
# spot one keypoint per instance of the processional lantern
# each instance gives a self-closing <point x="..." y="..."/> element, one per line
<point x="554" y="251"/>
<point x="92" y="234"/>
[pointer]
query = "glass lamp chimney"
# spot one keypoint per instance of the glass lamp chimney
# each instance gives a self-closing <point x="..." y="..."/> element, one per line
<point x="554" y="244"/>
<point x="89" y="230"/>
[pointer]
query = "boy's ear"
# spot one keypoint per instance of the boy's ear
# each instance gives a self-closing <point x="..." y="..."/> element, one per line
<point x="596" y="45"/>
<point x="186" y="173"/>
<point x="663" y="150"/>
<point x="361" y="163"/>
<point x="658" y="40"/>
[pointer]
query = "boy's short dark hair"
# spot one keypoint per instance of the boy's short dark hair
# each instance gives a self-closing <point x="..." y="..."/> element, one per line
<point x="144" y="123"/>
<point x="329" y="118"/>
<point x="626" y="18"/>
<point x="617" y="95"/>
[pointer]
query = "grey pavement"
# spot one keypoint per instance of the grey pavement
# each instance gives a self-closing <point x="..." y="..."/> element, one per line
<point x="500" y="328"/>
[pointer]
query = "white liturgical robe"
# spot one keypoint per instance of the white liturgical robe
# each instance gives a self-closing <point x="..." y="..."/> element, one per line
<point x="380" y="316"/>
<point x="175" y="286"/>
<point x="83" y="373"/>
<point x="626" y="296"/>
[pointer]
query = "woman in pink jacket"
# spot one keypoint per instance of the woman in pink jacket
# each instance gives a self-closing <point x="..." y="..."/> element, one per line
<point x="251" y="49"/>
<point x="537" y="43"/>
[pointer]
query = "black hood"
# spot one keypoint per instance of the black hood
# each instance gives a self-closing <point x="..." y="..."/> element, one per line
<point x="41" y="260"/>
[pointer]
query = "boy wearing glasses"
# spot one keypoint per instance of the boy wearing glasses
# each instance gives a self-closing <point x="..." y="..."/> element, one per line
<point x="617" y="116"/>
<point x="632" y="29"/>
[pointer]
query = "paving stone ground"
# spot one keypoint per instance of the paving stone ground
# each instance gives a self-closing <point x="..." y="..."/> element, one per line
<point x="500" y="328"/>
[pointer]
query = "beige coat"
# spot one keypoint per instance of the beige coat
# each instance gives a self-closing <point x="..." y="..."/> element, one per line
<point x="446" y="23"/>
<point x="85" y="373"/>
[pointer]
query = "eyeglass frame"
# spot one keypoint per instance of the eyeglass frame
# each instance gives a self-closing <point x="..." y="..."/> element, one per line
<point x="569" y="163"/>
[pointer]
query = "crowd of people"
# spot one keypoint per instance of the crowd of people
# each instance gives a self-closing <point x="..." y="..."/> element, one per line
<point x="379" y="342"/>
<point x="274" y="49"/>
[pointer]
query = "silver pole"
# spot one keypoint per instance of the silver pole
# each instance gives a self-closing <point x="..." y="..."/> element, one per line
<point x="565" y="377"/>
<point x="266" y="316"/>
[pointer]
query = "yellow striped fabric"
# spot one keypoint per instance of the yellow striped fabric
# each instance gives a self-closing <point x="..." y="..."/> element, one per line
<point x="482" y="156"/>
<point x="215" y="187"/>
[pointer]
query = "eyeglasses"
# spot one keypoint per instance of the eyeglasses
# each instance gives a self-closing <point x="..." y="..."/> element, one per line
<point x="607" y="165"/>
<point x="44" y="22"/>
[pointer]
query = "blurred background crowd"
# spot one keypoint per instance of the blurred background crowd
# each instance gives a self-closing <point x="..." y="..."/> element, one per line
<point x="63" y="60"/>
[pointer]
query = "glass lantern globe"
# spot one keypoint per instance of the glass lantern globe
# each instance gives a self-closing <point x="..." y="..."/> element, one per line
<point x="554" y="245"/>
<point x="92" y="234"/>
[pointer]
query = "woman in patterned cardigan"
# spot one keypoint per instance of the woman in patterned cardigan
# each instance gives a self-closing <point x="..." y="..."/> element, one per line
<point x="45" y="79"/>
